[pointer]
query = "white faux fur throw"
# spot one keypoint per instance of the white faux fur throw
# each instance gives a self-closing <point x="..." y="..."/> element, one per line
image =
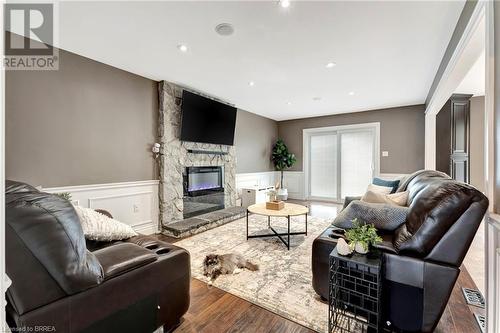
<point x="99" y="227"/>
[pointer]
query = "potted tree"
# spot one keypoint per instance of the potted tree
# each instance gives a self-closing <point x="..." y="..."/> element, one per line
<point x="282" y="160"/>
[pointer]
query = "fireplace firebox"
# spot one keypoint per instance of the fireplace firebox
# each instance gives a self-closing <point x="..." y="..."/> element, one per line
<point x="203" y="190"/>
<point x="203" y="180"/>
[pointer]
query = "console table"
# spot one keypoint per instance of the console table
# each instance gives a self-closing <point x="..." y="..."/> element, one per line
<point x="355" y="293"/>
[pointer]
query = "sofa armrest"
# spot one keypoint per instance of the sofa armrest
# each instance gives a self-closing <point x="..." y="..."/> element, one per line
<point x="123" y="257"/>
<point x="348" y="200"/>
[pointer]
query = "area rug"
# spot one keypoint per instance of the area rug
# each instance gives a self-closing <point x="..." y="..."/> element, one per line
<point x="283" y="282"/>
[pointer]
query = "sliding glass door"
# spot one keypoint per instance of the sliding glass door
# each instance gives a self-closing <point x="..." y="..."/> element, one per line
<point x="323" y="168"/>
<point x="340" y="161"/>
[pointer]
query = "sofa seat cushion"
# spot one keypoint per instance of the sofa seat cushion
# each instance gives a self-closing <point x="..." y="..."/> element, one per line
<point x="121" y="258"/>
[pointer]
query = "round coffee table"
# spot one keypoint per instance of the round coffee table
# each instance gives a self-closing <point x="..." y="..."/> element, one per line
<point x="289" y="210"/>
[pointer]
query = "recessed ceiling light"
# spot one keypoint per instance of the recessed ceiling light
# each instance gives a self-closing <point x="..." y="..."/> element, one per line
<point x="224" y="29"/>
<point x="182" y="47"/>
<point x="288" y="103"/>
<point x="331" y="65"/>
<point x="317" y="99"/>
<point x="284" y="3"/>
<point x="251" y="83"/>
<point x="351" y="93"/>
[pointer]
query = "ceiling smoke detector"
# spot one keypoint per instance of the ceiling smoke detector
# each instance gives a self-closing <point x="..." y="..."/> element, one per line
<point x="224" y="29"/>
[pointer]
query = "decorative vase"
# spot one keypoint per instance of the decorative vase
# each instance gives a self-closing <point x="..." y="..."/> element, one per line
<point x="360" y="248"/>
<point x="343" y="248"/>
<point x="282" y="194"/>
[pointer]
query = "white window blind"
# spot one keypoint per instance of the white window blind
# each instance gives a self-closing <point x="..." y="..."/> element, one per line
<point x="356" y="167"/>
<point x="323" y="165"/>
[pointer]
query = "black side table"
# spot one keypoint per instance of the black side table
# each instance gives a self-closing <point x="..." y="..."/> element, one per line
<point x="355" y="293"/>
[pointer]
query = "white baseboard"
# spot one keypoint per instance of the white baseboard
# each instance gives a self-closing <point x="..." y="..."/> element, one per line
<point x="133" y="203"/>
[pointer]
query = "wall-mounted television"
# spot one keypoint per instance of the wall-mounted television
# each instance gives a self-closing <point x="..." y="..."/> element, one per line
<point x="205" y="120"/>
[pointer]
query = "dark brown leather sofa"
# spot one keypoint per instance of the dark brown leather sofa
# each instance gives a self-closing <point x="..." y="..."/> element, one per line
<point x="422" y="258"/>
<point x="137" y="285"/>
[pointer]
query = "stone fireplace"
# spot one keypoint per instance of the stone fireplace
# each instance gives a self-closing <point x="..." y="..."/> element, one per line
<point x="212" y="167"/>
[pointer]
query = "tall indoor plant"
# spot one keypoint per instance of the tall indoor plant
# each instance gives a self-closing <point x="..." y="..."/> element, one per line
<point x="282" y="160"/>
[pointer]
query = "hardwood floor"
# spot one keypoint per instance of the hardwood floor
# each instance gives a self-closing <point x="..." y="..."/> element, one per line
<point x="214" y="310"/>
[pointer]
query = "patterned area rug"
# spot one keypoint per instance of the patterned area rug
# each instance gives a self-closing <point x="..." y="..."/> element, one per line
<point x="283" y="283"/>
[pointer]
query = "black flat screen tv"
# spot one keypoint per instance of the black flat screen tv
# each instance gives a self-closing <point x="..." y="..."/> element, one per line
<point x="205" y="120"/>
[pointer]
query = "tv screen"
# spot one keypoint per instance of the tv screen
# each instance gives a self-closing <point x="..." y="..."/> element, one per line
<point x="205" y="120"/>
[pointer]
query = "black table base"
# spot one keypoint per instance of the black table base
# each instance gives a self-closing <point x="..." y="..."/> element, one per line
<point x="280" y="235"/>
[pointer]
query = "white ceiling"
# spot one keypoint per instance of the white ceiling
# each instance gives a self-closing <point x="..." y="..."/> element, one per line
<point x="387" y="53"/>
<point x="474" y="81"/>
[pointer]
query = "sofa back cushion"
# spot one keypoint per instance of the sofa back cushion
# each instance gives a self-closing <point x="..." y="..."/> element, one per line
<point x="436" y="203"/>
<point x="44" y="229"/>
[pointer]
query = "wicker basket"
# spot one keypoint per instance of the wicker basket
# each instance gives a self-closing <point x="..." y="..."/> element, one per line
<point x="275" y="205"/>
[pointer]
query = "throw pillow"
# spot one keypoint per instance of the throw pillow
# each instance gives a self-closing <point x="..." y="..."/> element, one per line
<point x="379" y="189"/>
<point x="99" y="227"/>
<point x="382" y="216"/>
<point x="398" y="199"/>
<point x="393" y="184"/>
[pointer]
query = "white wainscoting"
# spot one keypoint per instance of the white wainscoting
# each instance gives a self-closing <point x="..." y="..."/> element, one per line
<point x="293" y="181"/>
<point x="133" y="203"/>
<point x="243" y="180"/>
<point x="392" y="176"/>
<point x="493" y="272"/>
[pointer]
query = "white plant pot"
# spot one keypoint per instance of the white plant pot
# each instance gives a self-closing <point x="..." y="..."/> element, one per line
<point x="282" y="194"/>
<point x="360" y="248"/>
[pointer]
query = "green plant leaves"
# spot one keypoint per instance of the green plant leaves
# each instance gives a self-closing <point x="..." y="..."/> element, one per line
<point x="281" y="157"/>
<point x="364" y="233"/>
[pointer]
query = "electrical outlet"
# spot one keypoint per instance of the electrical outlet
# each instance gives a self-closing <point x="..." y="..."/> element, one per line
<point x="385" y="153"/>
<point x="136" y="209"/>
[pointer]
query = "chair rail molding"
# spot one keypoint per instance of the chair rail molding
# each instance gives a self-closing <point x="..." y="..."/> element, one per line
<point x="133" y="203"/>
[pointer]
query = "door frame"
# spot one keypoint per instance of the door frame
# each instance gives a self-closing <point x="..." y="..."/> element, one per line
<point x="306" y="136"/>
<point x="484" y="10"/>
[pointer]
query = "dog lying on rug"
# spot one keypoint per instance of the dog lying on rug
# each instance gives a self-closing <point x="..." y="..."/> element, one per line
<point x="230" y="263"/>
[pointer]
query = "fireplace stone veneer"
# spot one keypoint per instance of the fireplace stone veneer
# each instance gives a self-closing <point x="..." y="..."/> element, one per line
<point x="176" y="155"/>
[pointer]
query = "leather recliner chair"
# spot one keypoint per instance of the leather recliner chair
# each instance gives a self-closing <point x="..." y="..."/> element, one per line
<point x="136" y="285"/>
<point x="422" y="257"/>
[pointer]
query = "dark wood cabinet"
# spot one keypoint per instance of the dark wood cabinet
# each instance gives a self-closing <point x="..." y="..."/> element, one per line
<point x="453" y="137"/>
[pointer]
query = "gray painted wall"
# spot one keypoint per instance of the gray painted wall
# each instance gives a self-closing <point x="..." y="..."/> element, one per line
<point x="87" y="123"/>
<point x="254" y="139"/>
<point x="477" y="174"/>
<point x="401" y="133"/>
<point x="91" y="123"/>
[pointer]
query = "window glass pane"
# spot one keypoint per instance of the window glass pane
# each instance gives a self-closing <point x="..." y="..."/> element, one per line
<point x="323" y="166"/>
<point x="356" y="161"/>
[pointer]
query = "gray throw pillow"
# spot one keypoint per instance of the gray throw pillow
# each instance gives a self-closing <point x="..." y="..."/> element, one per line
<point x="383" y="216"/>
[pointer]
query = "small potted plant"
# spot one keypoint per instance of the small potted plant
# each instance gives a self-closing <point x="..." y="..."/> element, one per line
<point x="282" y="160"/>
<point x="362" y="236"/>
